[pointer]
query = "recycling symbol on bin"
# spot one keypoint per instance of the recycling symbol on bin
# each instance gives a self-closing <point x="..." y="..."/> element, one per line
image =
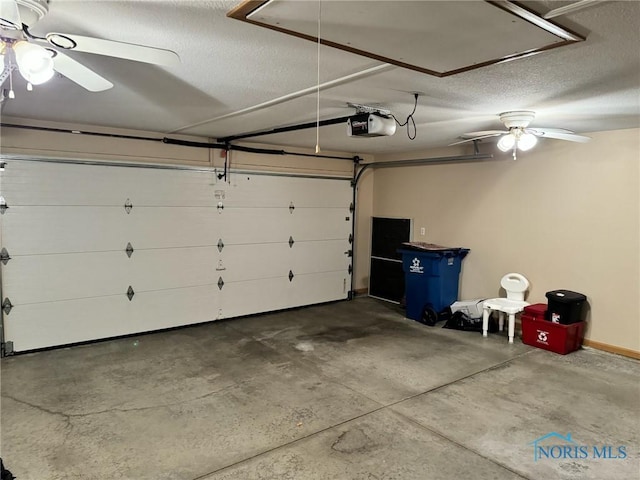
<point x="543" y="336"/>
<point x="415" y="266"/>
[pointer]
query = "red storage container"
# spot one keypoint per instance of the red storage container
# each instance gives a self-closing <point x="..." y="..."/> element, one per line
<point x="554" y="337"/>
<point x="538" y="311"/>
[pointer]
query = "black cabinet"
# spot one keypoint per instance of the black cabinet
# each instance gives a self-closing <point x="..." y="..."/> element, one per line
<point x="386" y="278"/>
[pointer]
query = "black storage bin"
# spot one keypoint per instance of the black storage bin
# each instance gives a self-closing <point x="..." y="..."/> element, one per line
<point x="565" y="306"/>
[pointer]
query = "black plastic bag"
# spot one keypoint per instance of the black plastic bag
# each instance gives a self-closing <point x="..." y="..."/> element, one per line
<point x="4" y="473"/>
<point x="461" y="321"/>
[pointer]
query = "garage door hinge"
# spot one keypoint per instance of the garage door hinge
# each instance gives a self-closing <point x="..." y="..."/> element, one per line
<point x="350" y="269"/>
<point x="291" y="242"/>
<point x="220" y="283"/>
<point x="349" y="253"/>
<point x="291" y="275"/>
<point x="220" y="207"/>
<point x="130" y="292"/>
<point x="129" y="250"/>
<point x="3" y="205"/>
<point x="4" y="256"/>
<point x="351" y="207"/>
<point x="350" y="238"/>
<point x="292" y="207"/>
<point x="128" y="206"/>
<point x="7" y="348"/>
<point x="6" y="306"/>
<point x="220" y="245"/>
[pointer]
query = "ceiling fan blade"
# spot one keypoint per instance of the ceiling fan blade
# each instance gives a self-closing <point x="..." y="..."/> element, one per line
<point x="480" y="137"/>
<point x="484" y="133"/>
<point x="78" y="73"/>
<point x="129" y="51"/>
<point x="558" y="134"/>
<point x="10" y="15"/>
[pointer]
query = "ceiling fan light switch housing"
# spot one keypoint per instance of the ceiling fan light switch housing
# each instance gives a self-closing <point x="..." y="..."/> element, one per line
<point x="517" y="118"/>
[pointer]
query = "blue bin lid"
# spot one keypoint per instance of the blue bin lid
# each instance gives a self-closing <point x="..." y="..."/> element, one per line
<point x="426" y="248"/>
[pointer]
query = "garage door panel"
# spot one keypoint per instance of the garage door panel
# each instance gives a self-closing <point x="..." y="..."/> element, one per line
<point x="254" y="225"/>
<point x="321" y="224"/>
<point x="45" y="230"/>
<point x="312" y="192"/>
<point x="30" y="183"/>
<point x="49" y="278"/>
<point x="253" y="262"/>
<point x="170" y="227"/>
<point x="159" y="269"/>
<point x="159" y="188"/>
<point x="173" y="307"/>
<point x="253" y="296"/>
<point x="59" y="323"/>
<point x="320" y="256"/>
<point x="248" y="190"/>
<point x="319" y="287"/>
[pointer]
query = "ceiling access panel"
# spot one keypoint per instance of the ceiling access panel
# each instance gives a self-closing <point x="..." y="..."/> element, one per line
<point x="434" y="37"/>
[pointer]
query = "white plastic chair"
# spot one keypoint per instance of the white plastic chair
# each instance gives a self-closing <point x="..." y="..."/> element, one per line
<point x="515" y="285"/>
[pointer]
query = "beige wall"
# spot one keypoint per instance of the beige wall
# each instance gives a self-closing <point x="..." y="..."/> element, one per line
<point x="565" y="215"/>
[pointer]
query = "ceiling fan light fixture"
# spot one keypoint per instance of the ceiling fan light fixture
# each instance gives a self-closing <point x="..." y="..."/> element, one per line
<point x="34" y="62"/>
<point x="507" y="142"/>
<point x="527" y="141"/>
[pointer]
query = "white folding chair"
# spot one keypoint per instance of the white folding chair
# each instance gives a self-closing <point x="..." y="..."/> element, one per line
<point x="515" y="285"/>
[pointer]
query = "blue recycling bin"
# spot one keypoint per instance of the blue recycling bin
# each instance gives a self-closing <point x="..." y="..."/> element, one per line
<point x="431" y="279"/>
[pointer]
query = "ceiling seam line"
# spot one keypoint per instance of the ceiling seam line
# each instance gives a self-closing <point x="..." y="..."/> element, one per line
<point x="292" y="96"/>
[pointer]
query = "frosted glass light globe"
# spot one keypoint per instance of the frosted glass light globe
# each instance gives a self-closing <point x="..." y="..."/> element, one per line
<point x="507" y="142"/>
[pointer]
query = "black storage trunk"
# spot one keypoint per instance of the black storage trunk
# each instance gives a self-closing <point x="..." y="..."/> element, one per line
<point x="565" y="306"/>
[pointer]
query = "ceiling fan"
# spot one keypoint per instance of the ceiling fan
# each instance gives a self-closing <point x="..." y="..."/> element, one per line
<point x="519" y="136"/>
<point x="37" y="58"/>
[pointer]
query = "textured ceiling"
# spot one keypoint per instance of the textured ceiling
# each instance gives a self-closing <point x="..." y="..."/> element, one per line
<point x="230" y="67"/>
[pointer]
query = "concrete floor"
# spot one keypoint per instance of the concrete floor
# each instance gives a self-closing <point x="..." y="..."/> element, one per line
<point x="348" y="390"/>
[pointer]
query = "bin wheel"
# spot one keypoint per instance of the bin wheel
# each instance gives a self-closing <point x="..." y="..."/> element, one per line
<point x="429" y="316"/>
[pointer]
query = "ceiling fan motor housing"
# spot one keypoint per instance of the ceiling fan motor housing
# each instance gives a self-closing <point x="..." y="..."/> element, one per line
<point x="32" y="10"/>
<point x="517" y="119"/>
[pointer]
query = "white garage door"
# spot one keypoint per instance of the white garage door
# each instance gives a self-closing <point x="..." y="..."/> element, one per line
<point x="97" y="251"/>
